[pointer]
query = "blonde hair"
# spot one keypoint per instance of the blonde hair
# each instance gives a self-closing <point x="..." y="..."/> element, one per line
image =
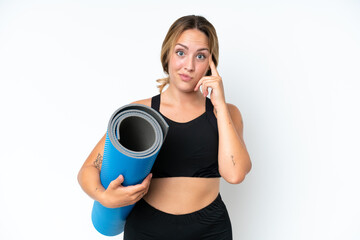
<point x="176" y="29"/>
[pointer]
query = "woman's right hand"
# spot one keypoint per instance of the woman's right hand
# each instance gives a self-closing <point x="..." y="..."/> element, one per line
<point x="116" y="195"/>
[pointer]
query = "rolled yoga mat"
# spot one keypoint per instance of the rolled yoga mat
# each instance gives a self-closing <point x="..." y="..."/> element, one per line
<point x="133" y="139"/>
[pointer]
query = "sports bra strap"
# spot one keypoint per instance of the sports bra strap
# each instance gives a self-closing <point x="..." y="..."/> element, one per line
<point x="209" y="106"/>
<point x="155" y="102"/>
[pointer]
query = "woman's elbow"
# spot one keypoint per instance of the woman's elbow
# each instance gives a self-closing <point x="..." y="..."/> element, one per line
<point x="235" y="179"/>
<point x="79" y="176"/>
<point x="238" y="177"/>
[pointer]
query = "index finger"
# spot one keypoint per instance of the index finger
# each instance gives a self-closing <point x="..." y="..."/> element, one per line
<point x="135" y="189"/>
<point x="214" y="71"/>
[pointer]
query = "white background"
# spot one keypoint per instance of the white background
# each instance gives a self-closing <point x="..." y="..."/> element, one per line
<point x="291" y="67"/>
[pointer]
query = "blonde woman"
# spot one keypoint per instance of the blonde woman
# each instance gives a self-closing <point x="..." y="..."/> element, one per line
<point x="204" y="142"/>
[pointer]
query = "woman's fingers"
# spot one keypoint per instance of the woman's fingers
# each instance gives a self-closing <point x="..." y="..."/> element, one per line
<point x="138" y="191"/>
<point x="117" y="182"/>
<point x="140" y="188"/>
<point x="213" y="81"/>
<point x="214" y="71"/>
<point x="200" y="82"/>
<point x="207" y="83"/>
<point x="205" y="87"/>
<point x="117" y="195"/>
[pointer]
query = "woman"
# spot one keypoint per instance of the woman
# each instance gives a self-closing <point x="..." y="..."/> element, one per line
<point x="204" y="142"/>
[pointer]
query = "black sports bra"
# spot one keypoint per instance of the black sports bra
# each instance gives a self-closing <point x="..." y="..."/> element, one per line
<point x="190" y="149"/>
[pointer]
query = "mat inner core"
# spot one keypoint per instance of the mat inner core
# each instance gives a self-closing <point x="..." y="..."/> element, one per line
<point x="136" y="134"/>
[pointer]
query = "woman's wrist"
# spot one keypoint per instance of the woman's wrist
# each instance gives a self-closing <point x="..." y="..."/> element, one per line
<point x="221" y="109"/>
<point x="100" y="194"/>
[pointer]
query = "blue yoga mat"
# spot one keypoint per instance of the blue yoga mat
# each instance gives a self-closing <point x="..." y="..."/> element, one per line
<point x="133" y="139"/>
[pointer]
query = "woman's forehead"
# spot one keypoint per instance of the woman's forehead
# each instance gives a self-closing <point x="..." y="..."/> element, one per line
<point x="193" y="38"/>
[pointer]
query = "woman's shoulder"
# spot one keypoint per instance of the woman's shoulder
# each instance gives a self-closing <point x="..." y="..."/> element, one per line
<point x="235" y="116"/>
<point x="232" y="108"/>
<point x="234" y="111"/>
<point x="146" y="102"/>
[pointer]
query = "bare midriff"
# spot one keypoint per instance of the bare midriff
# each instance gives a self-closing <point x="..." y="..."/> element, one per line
<point x="182" y="195"/>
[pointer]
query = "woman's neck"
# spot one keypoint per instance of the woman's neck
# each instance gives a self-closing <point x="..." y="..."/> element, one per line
<point x="176" y="97"/>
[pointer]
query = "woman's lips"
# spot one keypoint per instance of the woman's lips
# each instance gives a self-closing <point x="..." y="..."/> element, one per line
<point x="185" y="77"/>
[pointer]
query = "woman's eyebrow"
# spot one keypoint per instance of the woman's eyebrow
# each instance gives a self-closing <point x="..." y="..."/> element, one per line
<point x="183" y="46"/>
<point x="200" y="49"/>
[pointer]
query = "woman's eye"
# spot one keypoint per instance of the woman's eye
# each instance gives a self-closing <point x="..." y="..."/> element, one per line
<point x="201" y="56"/>
<point x="180" y="53"/>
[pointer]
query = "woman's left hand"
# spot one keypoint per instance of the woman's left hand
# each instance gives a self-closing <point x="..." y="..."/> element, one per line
<point x="214" y="82"/>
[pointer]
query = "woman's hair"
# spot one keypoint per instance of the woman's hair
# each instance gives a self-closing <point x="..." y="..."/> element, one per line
<point x="177" y="28"/>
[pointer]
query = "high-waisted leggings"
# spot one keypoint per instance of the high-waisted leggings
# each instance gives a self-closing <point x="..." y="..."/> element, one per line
<point x="148" y="223"/>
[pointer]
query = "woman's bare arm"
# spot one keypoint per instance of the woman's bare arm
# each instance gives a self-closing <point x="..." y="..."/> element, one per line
<point x="234" y="160"/>
<point x="115" y="195"/>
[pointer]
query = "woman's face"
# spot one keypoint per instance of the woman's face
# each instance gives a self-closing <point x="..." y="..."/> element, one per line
<point x="189" y="60"/>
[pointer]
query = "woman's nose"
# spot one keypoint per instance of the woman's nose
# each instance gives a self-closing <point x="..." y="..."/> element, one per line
<point x="189" y="64"/>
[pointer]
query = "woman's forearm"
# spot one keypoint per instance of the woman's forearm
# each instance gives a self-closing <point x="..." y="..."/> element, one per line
<point x="89" y="180"/>
<point x="234" y="160"/>
<point x="89" y="174"/>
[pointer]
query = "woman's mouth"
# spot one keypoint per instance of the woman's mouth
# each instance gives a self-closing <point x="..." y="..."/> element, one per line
<point x="185" y="77"/>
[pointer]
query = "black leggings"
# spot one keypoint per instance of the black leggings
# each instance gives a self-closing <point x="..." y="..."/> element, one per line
<point x="147" y="223"/>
